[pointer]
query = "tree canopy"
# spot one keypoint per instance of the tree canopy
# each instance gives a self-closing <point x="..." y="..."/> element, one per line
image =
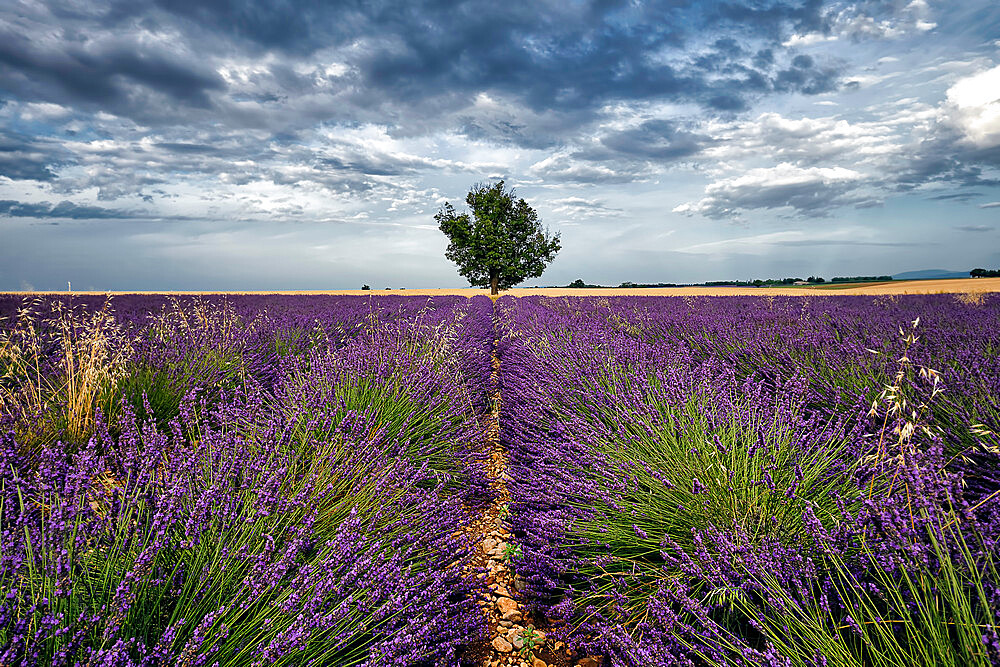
<point x="502" y="243"/>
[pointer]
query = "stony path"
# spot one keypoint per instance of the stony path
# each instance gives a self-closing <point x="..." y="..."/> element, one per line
<point x="515" y="639"/>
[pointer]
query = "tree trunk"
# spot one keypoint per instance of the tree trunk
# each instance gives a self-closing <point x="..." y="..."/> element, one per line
<point x="494" y="279"/>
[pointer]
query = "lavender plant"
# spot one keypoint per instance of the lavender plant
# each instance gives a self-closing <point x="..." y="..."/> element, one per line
<point x="689" y="477"/>
<point x="288" y="512"/>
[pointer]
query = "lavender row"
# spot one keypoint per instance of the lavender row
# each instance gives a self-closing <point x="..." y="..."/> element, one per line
<point x="753" y="481"/>
<point x="213" y="482"/>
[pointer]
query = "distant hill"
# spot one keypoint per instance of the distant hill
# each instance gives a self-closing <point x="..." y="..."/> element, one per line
<point x="930" y="274"/>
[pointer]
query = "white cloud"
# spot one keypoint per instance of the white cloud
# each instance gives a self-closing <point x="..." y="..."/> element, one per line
<point x="810" y="191"/>
<point x="581" y="207"/>
<point x="974" y="107"/>
<point x="808" y="39"/>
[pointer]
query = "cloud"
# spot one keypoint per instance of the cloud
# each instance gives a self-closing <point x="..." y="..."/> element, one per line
<point x="100" y="69"/>
<point x="812" y="191"/>
<point x="956" y="196"/>
<point x="254" y="111"/>
<point x="974" y="108"/>
<point x="992" y="204"/>
<point x="655" y="140"/>
<point x="64" y="209"/>
<point x="901" y="146"/>
<point x="24" y="157"/>
<point x="975" y="228"/>
<point x="581" y="207"/>
<point x="766" y="243"/>
<point x="150" y="59"/>
<point x="565" y="168"/>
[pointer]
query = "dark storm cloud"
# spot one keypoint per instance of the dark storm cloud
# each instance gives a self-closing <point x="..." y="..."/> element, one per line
<point x="804" y="78"/>
<point x="64" y="209"/>
<point x="27" y="157"/>
<point x="810" y="199"/>
<point x="546" y="55"/>
<point x="774" y="18"/>
<point x="947" y="159"/>
<point x="956" y="196"/>
<point x="257" y="90"/>
<point x="181" y="147"/>
<point x="239" y="87"/>
<point x="660" y="140"/>
<point x="106" y="72"/>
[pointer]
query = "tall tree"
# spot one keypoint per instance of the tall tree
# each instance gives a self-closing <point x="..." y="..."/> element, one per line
<point x="502" y="243"/>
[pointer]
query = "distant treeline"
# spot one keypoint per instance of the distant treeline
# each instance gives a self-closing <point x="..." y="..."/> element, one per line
<point x="629" y="283"/>
<point x="811" y="280"/>
<point x="860" y="279"/>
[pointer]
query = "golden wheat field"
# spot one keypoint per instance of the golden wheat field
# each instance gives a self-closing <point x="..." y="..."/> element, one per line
<point x="952" y="286"/>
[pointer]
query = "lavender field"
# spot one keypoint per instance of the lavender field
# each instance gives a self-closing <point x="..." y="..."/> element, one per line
<point x="301" y="480"/>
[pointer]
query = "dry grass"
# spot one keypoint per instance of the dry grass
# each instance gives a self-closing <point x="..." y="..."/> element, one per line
<point x="90" y="361"/>
<point x="952" y="286"/>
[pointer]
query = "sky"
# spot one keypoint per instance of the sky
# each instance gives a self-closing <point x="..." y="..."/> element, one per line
<point x="307" y="144"/>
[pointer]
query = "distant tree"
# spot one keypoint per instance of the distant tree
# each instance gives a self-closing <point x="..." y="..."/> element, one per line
<point x="985" y="273"/>
<point x="577" y="283"/>
<point x="861" y="279"/>
<point x="502" y="243"/>
<point x="365" y="287"/>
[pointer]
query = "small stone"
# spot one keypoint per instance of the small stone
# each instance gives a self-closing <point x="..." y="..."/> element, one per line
<point x="517" y="642"/>
<point x="505" y="605"/>
<point x="513" y="615"/>
<point x="586" y="662"/>
<point x="489" y="544"/>
<point x="502" y="645"/>
<point x="559" y="645"/>
<point x="506" y="624"/>
<point x="538" y="662"/>
<point x="502" y="591"/>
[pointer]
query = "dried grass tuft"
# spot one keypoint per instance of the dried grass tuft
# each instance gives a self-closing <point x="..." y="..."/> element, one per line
<point x="55" y="370"/>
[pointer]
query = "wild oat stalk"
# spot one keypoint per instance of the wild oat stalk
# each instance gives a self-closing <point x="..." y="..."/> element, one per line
<point x="55" y="370"/>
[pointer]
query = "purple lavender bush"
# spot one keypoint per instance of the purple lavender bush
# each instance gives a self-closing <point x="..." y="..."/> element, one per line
<point x="249" y="486"/>
<point x="751" y="481"/>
